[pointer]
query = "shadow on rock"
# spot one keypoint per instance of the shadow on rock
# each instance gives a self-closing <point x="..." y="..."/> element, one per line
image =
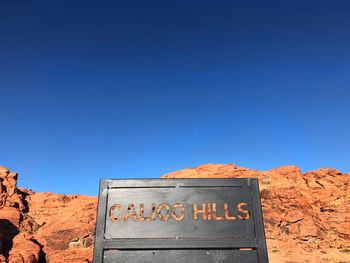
<point x="7" y="232"/>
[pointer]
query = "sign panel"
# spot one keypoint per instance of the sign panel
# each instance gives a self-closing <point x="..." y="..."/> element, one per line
<point x="180" y="220"/>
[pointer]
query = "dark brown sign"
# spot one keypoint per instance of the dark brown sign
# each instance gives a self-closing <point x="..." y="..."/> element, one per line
<point x="180" y="220"/>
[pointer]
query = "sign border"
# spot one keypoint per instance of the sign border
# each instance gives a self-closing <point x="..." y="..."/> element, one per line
<point x="102" y="243"/>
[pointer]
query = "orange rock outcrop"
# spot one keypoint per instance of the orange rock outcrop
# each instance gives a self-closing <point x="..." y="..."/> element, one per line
<point x="44" y="227"/>
<point x="306" y="215"/>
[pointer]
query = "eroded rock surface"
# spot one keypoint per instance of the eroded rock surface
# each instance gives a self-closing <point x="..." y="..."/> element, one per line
<point x="44" y="227"/>
<point x="306" y="215"/>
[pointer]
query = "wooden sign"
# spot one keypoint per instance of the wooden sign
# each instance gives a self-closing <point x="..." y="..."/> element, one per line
<point x="180" y="220"/>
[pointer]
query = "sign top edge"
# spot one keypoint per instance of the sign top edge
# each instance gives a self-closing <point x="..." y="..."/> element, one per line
<point x="180" y="182"/>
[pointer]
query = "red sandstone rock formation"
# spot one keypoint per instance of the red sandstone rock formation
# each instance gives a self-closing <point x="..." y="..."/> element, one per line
<point x="44" y="227"/>
<point x="307" y="216"/>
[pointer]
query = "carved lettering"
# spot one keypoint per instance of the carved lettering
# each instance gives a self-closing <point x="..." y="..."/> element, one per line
<point x="130" y="213"/>
<point x="209" y="211"/>
<point x="214" y="213"/>
<point x="197" y="211"/>
<point x="177" y="212"/>
<point x="227" y="213"/>
<point x="142" y="214"/>
<point x="243" y="211"/>
<point x="159" y="212"/>
<point x="112" y="213"/>
<point x="153" y="214"/>
<point x="173" y="211"/>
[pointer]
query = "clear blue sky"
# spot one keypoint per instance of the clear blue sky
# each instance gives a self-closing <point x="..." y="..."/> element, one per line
<point x="121" y="89"/>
